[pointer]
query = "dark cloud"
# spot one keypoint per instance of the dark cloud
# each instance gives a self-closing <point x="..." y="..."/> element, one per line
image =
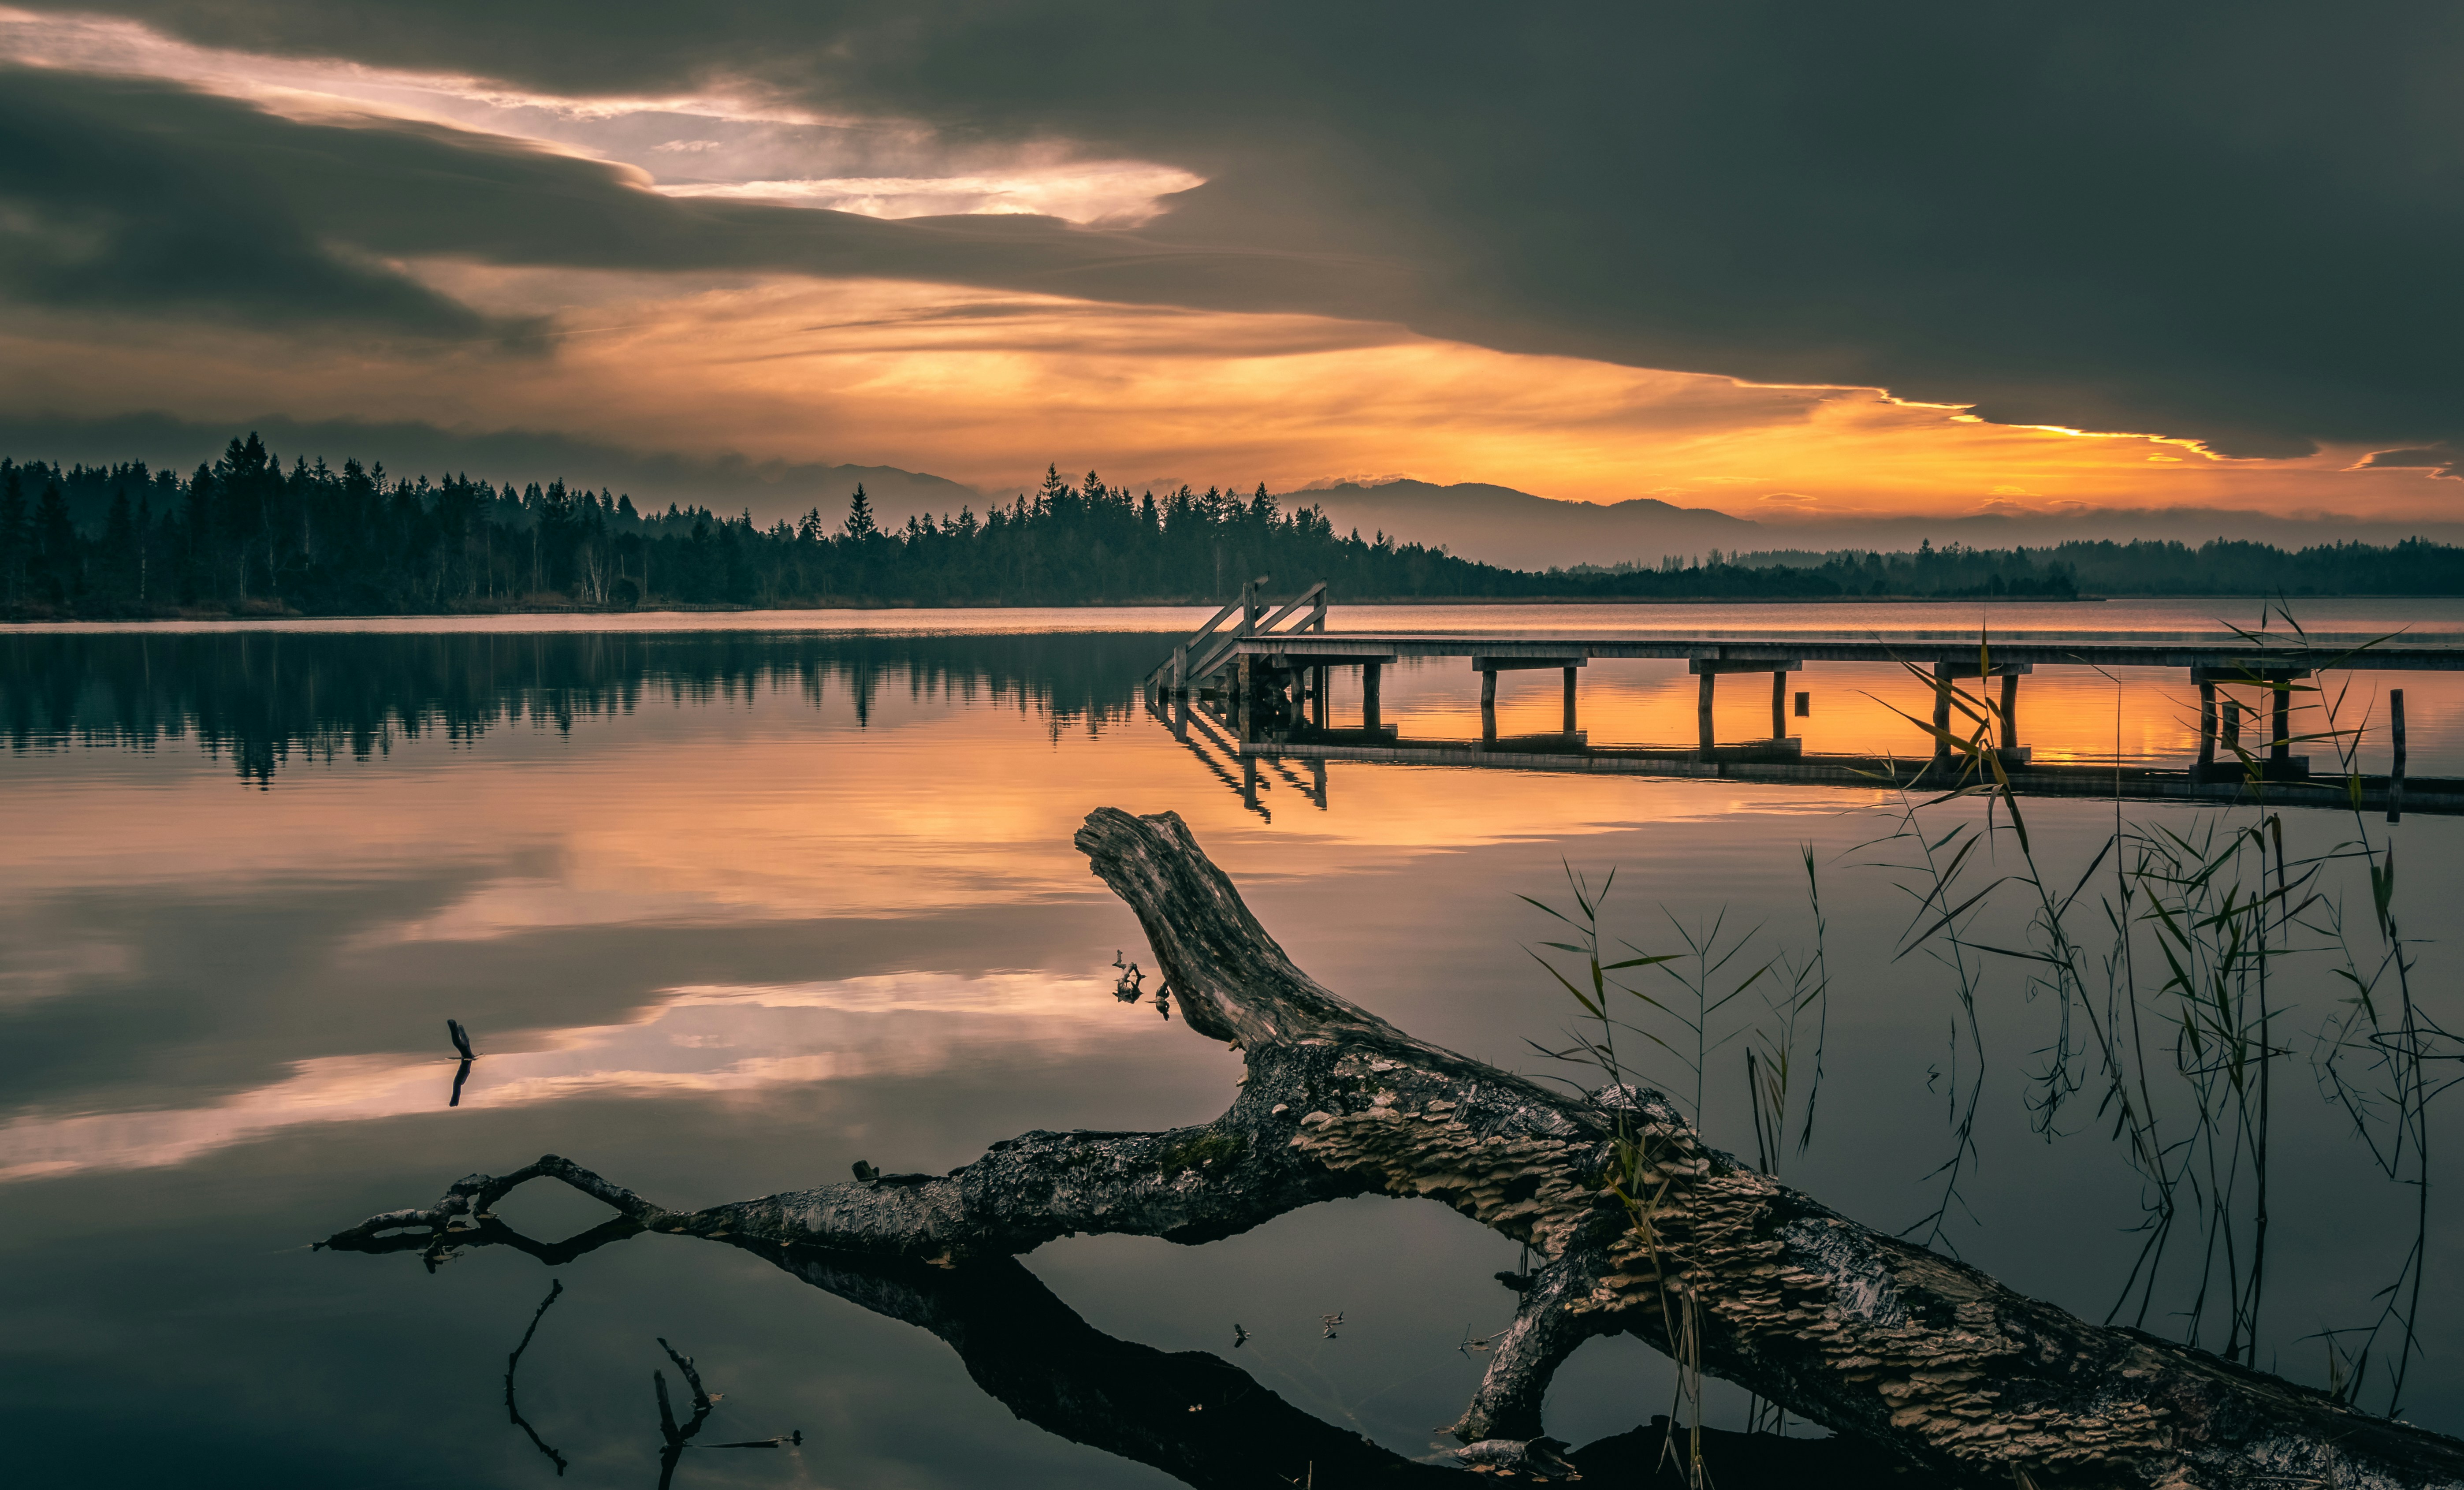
<point x="161" y="198"/>
<point x="108" y="202"/>
<point x="2235" y="223"/>
<point x="2443" y="459"/>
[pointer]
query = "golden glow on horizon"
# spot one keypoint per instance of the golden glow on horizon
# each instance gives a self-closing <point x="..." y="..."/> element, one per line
<point x="986" y="387"/>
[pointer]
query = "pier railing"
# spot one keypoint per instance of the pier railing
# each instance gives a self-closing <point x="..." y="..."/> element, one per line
<point x="1205" y="653"/>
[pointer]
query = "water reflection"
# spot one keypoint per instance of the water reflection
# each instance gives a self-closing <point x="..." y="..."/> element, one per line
<point x="747" y="934"/>
<point x="702" y="1039"/>
<point x="262" y="699"/>
<point x="1191" y="1414"/>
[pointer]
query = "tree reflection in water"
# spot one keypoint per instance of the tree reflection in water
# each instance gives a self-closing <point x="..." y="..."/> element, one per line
<point x="1189" y="1414"/>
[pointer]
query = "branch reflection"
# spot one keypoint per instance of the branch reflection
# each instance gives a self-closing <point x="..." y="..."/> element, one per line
<point x="1191" y="1414"/>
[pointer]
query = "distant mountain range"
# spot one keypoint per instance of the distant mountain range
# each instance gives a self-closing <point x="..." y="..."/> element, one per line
<point x="1494" y="524"/>
<point x="1500" y="525"/>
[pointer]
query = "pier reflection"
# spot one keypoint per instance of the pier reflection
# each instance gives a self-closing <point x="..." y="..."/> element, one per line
<point x="2329" y="737"/>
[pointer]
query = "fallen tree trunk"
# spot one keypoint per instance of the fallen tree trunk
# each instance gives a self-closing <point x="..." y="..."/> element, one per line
<point x="1863" y="1333"/>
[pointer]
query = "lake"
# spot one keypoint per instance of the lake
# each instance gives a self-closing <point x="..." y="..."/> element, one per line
<point x="733" y="901"/>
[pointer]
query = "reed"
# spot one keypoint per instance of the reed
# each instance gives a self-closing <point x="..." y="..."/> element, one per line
<point x="2179" y="968"/>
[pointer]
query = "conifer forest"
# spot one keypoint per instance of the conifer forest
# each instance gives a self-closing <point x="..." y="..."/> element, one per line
<point x="247" y="535"/>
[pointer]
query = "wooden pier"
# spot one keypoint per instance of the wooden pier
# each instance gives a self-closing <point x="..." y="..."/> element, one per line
<point x="1263" y="677"/>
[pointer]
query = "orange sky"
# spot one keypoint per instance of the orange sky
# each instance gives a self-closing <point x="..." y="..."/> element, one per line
<point x="985" y="388"/>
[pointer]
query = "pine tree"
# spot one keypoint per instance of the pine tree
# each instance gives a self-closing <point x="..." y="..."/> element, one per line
<point x="13" y="535"/>
<point x="860" y="525"/>
<point x="55" y="546"/>
<point x="120" y="544"/>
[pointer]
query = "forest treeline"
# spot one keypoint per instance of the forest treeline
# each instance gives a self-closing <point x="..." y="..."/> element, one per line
<point x="246" y="535"/>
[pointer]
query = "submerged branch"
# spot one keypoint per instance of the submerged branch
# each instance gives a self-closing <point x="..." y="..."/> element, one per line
<point x="1871" y="1336"/>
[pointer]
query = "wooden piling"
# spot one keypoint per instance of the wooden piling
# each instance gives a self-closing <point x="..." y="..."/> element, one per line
<point x="2395" y="766"/>
<point x="2280" y="749"/>
<point x="2206" y="726"/>
<point x="1245" y="705"/>
<point x="2233" y="727"/>
<point x="2010" y="710"/>
<point x="1779" y="706"/>
<point x="1317" y="695"/>
<point x="1488" y="706"/>
<point x="1369" y="680"/>
<point x="1570" y="700"/>
<point x="1703" y="710"/>
<point x="1942" y="685"/>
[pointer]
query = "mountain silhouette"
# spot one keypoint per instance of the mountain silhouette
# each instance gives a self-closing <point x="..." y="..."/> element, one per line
<point x="1500" y="525"/>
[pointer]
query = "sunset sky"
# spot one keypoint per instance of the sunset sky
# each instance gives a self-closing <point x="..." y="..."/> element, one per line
<point x="1788" y="262"/>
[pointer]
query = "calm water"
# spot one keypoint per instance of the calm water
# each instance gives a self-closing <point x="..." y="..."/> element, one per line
<point x="731" y="903"/>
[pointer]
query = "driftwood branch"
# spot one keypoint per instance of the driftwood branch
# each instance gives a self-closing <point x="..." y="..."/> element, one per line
<point x="1869" y="1335"/>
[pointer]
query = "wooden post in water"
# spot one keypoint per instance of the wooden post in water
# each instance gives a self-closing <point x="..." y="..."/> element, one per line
<point x="1702" y="712"/>
<point x="2010" y="710"/>
<point x="1317" y="695"/>
<point x="1488" y="706"/>
<point x="1570" y="700"/>
<point x="2395" y="767"/>
<point x="1369" y="720"/>
<point x="1181" y="669"/>
<point x="1779" y="706"/>
<point x="1942" y="676"/>
<point x="1244" y="706"/>
<point x="2280" y="749"/>
<point x="2206" y="726"/>
<point x="2232" y="728"/>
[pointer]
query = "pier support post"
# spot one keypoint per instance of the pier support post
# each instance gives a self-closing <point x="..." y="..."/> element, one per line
<point x="1707" y="669"/>
<point x="2010" y="710"/>
<point x="2206" y="727"/>
<point x="1369" y="679"/>
<point x="2279" y="746"/>
<point x="2395" y="766"/>
<point x="1181" y="669"/>
<point x="1942" y="678"/>
<point x="1317" y="695"/>
<point x="1488" y="706"/>
<point x="1570" y="700"/>
<point x="2281" y="764"/>
<point x="1245" y="703"/>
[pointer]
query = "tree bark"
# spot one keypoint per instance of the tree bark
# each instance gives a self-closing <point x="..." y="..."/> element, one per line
<point x="1866" y="1334"/>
